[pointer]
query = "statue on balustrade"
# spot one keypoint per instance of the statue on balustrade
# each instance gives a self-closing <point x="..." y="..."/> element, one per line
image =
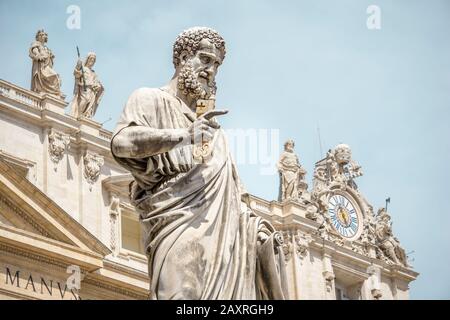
<point x="386" y="242"/>
<point x="292" y="174"/>
<point x="44" y="78"/>
<point x="88" y="89"/>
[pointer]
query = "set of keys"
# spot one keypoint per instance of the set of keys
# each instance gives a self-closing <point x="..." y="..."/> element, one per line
<point x="203" y="151"/>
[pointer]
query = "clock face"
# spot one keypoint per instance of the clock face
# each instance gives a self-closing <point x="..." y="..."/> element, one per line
<point x="344" y="217"/>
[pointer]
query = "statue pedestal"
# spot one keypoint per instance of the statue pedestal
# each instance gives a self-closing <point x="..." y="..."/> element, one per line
<point x="53" y="103"/>
<point x="89" y="126"/>
<point x="293" y="207"/>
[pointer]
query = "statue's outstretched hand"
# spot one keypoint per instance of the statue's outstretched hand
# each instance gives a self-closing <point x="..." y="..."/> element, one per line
<point x="203" y="128"/>
<point x="213" y="113"/>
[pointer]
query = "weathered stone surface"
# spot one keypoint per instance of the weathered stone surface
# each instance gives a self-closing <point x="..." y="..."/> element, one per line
<point x="88" y="89"/>
<point x="208" y="244"/>
<point x="44" y="78"/>
<point x="292" y="174"/>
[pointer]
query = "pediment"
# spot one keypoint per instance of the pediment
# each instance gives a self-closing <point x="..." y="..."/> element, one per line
<point x="16" y="218"/>
<point x="30" y="220"/>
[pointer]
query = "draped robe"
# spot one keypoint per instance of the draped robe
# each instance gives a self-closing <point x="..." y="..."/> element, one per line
<point x="289" y="174"/>
<point x="85" y="103"/>
<point x="43" y="77"/>
<point x="200" y="238"/>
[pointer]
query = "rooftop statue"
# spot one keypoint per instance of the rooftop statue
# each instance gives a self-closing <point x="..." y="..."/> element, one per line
<point x="88" y="89"/>
<point x="43" y="78"/>
<point x="388" y="244"/>
<point x="202" y="240"/>
<point x="338" y="168"/>
<point x="292" y="174"/>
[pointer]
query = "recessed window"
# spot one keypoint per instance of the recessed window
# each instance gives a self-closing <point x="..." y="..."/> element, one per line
<point x="131" y="234"/>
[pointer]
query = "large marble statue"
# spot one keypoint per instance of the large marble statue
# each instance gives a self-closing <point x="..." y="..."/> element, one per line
<point x="88" y="89"/>
<point x="201" y="239"/>
<point x="292" y="175"/>
<point x="389" y="245"/>
<point x="43" y="78"/>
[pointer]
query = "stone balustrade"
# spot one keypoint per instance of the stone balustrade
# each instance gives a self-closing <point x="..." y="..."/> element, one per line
<point x="24" y="96"/>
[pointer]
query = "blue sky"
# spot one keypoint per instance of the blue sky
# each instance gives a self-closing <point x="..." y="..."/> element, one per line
<point x="291" y="66"/>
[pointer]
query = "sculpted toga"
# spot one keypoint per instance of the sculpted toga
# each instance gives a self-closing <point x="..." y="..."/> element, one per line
<point x="292" y="174"/>
<point x="202" y="241"/>
<point x="88" y="89"/>
<point x="44" y="78"/>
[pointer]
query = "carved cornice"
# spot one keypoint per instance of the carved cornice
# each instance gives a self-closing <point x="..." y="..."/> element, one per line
<point x="124" y="269"/>
<point x="60" y="267"/>
<point x="14" y="251"/>
<point x="118" y="184"/>
<point x="115" y="288"/>
<point x="19" y="162"/>
<point x="357" y="272"/>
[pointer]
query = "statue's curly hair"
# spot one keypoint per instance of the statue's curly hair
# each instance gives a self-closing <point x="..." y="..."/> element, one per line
<point x="189" y="41"/>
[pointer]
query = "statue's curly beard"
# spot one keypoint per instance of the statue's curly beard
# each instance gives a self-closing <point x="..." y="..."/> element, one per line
<point x="189" y="84"/>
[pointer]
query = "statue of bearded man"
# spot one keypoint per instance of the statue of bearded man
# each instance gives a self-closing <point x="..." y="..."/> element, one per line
<point x="201" y="239"/>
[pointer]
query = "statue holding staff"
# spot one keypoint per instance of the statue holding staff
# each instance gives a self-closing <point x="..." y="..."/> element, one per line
<point x="88" y="89"/>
